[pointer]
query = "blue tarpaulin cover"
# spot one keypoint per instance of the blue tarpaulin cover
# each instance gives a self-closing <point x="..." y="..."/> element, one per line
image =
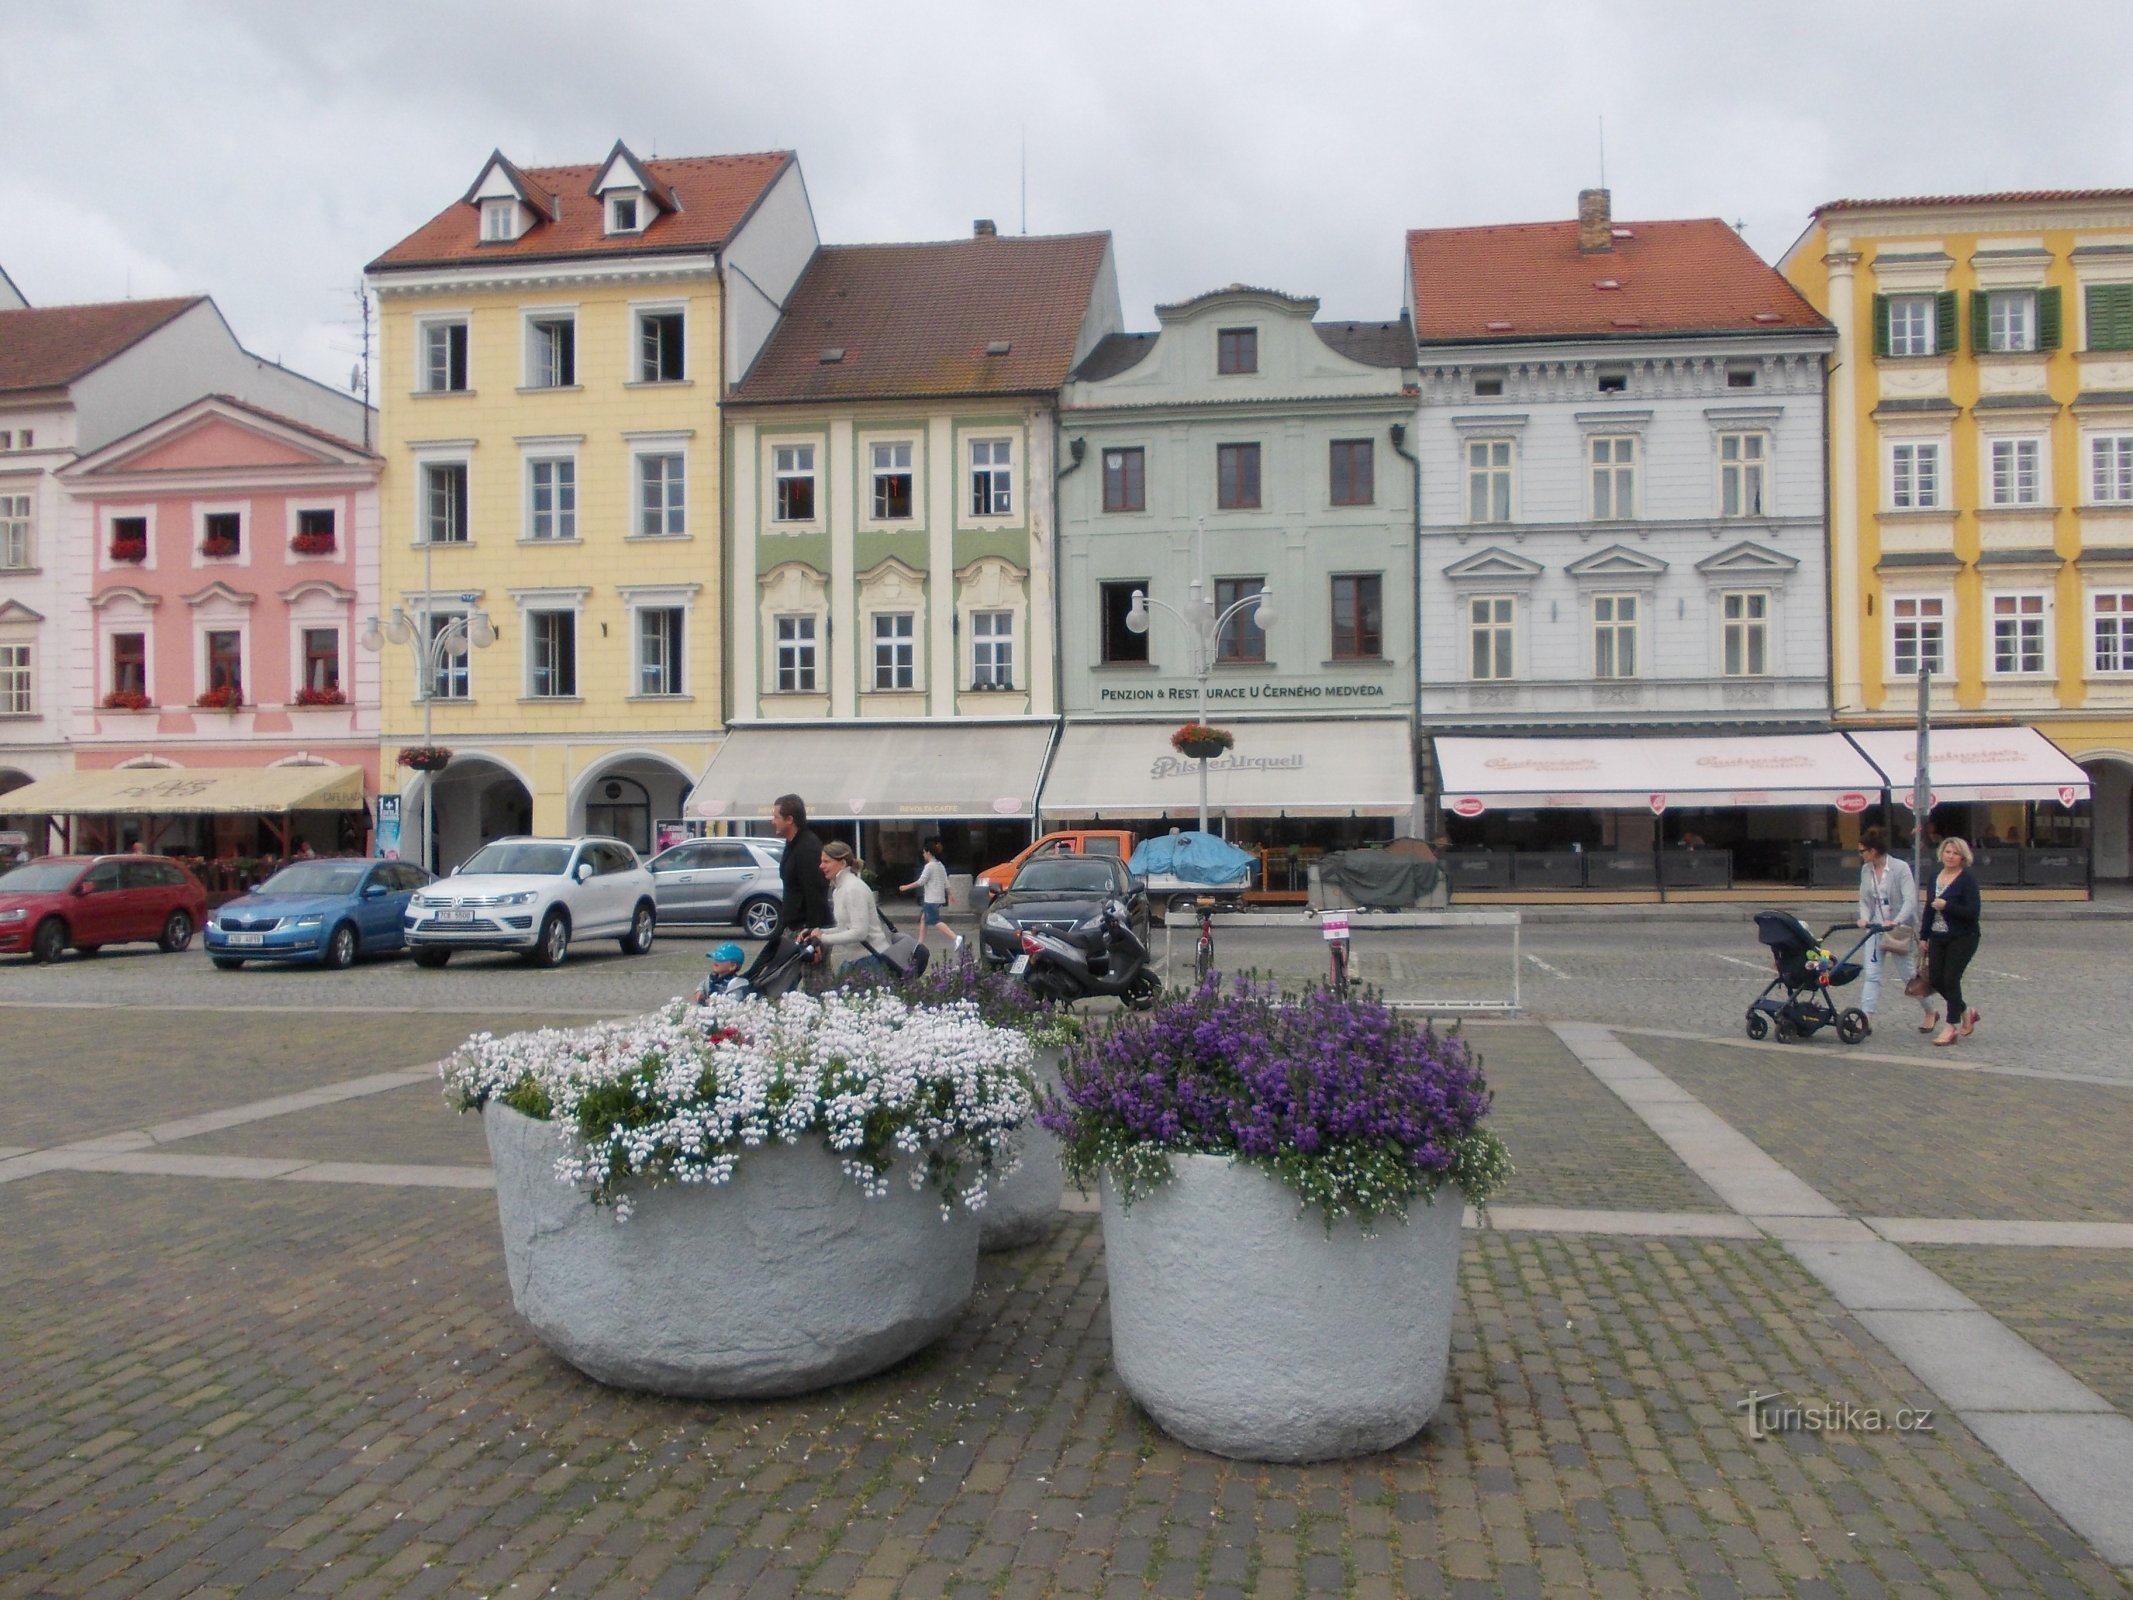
<point x="1195" y="857"/>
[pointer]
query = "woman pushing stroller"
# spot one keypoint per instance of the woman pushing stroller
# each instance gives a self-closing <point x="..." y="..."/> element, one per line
<point x="1888" y="897"/>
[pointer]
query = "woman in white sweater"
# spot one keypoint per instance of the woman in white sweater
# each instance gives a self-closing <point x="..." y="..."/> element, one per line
<point x="1888" y="895"/>
<point x="855" y="910"/>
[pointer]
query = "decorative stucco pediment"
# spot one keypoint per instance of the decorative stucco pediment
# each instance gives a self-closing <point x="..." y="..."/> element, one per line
<point x="318" y="589"/>
<point x="125" y="594"/>
<point x="1617" y="561"/>
<point x="219" y="593"/>
<point x="891" y="581"/>
<point x="794" y="586"/>
<point x="1747" y="560"/>
<point x="16" y="611"/>
<point x="990" y="582"/>
<point x="1494" y="565"/>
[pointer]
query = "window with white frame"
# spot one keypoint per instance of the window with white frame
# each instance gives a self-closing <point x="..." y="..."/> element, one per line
<point x="796" y="655"/>
<point x="15" y="682"/>
<point x="1912" y="321"/>
<point x="16" y="549"/>
<point x="444" y="356"/>
<point x="660" y="631"/>
<point x="551" y="654"/>
<point x="2016" y="467"/>
<point x="792" y="470"/>
<point x="992" y="477"/>
<point x="2011" y="320"/>
<point x="2017" y="634"/>
<point x="552" y="351"/>
<point x="552" y="498"/>
<point x="1914" y="475"/>
<point x="662" y="497"/>
<point x="1745" y="621"/>
<point x="320" y="666"/>
<point x="499" y="221"/>
<point x="1491" y="636"/>
<point x="454" y="677"/>
<point x="2111" y="468"/>
<point x="892" y="479"/>
<point x="895" y="650"/>
<point x="992" y="649"/>
<point x="1488" y="480"/>
<point x="1743" y="459"/>
<point x="1614" y="636"/>
<point x="660" y="339"/>
<point x="2111" y="631"/>
<point x="129" y="664"/>
<point x="1614" y="478"/>
<point x="1918" y="635"/>
<point x="444" y="502"/>
<point x="225" y="660"/>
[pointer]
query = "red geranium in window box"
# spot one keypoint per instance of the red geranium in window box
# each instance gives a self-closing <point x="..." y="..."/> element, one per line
<point x="127" y="700"/>
<point x="313" y="544"/>
<point x="321" y="697"/>
<point x="218" y="549"/>
<point x="129" y="549"/>
<point x="224" y="697"/>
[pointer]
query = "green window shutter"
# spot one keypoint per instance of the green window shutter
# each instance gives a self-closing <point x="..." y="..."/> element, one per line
<point x="1881" y="322"/>
<point x="2110" y="308"/>
<point x="1980" y="321"/>
<point x="2048" y="335"/>
<point x="1944" y="334"/>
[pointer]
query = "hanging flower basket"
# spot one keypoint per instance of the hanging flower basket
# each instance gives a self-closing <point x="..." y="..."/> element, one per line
<point x="127" y="700"/>
<point x="131" y="551"/>
<point x="313" y="544"/>
<point x="1200" y="742"/>
<point x="322" y="697"/>
<point x="223" y="697"/>
<point x="425" y="757"/>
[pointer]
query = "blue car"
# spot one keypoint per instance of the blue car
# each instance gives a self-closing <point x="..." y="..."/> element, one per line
<point x="324" y="911"/>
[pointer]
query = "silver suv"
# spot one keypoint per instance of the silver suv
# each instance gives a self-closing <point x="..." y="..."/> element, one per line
<point x="722" y="880"/>
<point x="534" y="896"/>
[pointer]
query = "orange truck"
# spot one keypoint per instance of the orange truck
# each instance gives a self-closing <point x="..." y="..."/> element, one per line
<point x="1115" y="842"/>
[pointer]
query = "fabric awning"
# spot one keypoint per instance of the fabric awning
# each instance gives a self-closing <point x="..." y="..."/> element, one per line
<point x="190" y="791"/>
<point x="876" y="771"/>
<point x="1362" y="767"/>
<point x="1659" y="773"/>
<point x="1971" y="764"/>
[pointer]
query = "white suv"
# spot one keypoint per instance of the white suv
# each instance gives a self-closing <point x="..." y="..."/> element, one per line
<point x="534" y="896"/>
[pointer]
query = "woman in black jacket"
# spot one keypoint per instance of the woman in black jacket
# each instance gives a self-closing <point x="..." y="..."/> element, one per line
<point x="1951" y="939"/>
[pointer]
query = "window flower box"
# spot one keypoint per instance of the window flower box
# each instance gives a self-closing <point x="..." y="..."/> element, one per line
<point x="129" y="552"/>
<point x="127" y="700"/>
<point x="320" y="697"/>
<point x="425" y="757"/>
<point x="223" y="697"/>
<point x="314" y="544"/>
<point x="218" y="549"/>
<point x="1196" y="741"/>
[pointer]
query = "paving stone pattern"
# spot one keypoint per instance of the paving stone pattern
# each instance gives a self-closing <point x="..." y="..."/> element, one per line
<point x="2074" y="1305"/>
<point x="415" y="1124"/>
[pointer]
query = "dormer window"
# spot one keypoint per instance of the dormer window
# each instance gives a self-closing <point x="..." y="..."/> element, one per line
<point x="625" y="211"/>
<point x="499" y="221"/>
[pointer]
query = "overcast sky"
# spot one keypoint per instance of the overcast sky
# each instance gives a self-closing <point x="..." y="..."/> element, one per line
<point x="263" y="150"/>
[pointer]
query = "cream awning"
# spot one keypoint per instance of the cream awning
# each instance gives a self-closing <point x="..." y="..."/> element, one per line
<point x="1326" y="768"/>
<point x="1972" y="764"/>
<point x="190" y="791"/>
<point x="876" y="771"/>
<point x="1778" y="769"/>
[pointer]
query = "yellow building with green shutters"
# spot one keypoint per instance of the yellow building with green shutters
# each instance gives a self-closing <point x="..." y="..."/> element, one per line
<point x="1981" y="481"/>
<point x="554" y="348"/>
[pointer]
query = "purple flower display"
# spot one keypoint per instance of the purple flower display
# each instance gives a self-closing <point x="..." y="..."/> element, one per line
<point x="1354" y="1106"/>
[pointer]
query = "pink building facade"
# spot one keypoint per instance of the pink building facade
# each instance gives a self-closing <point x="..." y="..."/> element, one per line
<point x="233" y="555"/>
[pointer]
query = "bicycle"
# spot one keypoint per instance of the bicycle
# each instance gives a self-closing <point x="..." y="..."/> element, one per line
<point x="1203" y="953"/>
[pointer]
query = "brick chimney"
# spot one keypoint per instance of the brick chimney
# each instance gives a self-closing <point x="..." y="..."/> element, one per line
<point x="984" y="229"/>
<point x="1595" y="221"/>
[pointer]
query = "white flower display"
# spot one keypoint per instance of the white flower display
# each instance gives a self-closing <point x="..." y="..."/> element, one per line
<point x="682" y="1094"/>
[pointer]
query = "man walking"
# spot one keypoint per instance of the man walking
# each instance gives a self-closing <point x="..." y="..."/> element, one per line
<point x="932" y="886"/>
<point x="807" y="899"/>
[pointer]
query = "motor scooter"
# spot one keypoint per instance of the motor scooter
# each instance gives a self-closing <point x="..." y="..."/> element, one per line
<point x="1099" y="956"/>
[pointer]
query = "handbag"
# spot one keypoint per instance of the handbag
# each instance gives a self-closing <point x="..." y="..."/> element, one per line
<point x="1899" y="941"/>
<point x="1918" y="987"/>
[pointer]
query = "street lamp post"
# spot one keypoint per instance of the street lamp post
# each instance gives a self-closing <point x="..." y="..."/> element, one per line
<point x="430" y="648"/>
<point x="1203" y="627"/>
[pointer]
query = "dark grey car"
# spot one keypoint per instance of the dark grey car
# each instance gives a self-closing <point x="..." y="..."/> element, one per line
<point x="1058" y="895"/>
<point x="719" y="881"/>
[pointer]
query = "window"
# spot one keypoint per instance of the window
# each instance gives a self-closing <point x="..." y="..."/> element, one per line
<point x="225" y="660"/>
<point x="796" y="655"/>
<point x="659" y="643"/>
<point x="1612" y="380"/>
<point x="1488" y="385"/>
<point x="2110" y="316"/>
<point x="129" y="663"/>
<point x="552" y="650"/>
<point x="1914" y="476"/>
<point x="992" y="650"/>
<point x="622" y="212"/>
<point x="1125" y="480"/>
<point x="15" y="680"/>
<point x="1237" y="477"/>
<point x="453" y="681"/>
<point x="322" y="659"/>
<point x="1741" y="377"/>
<point x="2111" y="619"/>
<point x="895" y="654"/>
<point x="1120" y="644"/>
<point x="444" y="502"/>
<point x="1358" y="616"/>
<point x="1614" y="636"/>
<point x="662" y="501"/>
<point x="444" y="357"/>
<point x="1614" y="478"/>
<point x="499" y="221"/>
<point x="552" y="499"/>
<point x="1242" y="639"/>
<point x="659" y="356"/>
<point x="222" y="534"/>
<point x="315" y="528"/>
<point x="1747" y="634"/>
<point x="793" y="472"/>
<point x="2014" y="471"/>
<point x="1488" y="480"/>
<point x="2111" y="469"/>
<point x="2010" y="320"/>
<point x="1913" y="325"/>
<point x="551" y="352"/>
<point x="1353" y="472"/>
<point x="2017" y="633"/>
<point x="15" y="530"/>
<point x="1917" y="624"/>
<point x="992" y="477"/>
<point x="1489" y="632"/>
<point x="1237" y="350"/>
<point x="1741" y="460"/>
<point x="892" y="480"/>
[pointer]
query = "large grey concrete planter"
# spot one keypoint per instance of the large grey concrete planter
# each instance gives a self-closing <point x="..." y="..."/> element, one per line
<point x="785" y="1278"/>
<point x="1247" y="1330"/>
<point x="1023" y="1207"/>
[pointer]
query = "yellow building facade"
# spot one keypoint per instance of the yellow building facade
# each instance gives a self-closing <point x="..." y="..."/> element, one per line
<point x="553" y="352"/>
<point x="1980" y="418"/>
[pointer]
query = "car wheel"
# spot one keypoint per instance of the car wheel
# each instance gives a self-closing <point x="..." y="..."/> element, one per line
<point x="761" y="919"/>
<point x="49" y="941"/>
<point x="432" y="958"/>
<point x="177" y="932"/>
<point x="227" y="963"/>
<point x="340" y="949"/>
<point x="555" y="941"/>
<point x="643" y="926"/>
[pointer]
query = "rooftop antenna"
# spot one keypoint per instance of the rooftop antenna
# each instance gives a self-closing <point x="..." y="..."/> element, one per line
<point x="1025" y="180"/>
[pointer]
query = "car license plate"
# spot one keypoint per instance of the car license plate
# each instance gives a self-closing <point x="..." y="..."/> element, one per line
<point x="1019" y="965"/>
<point x="247" y="938"/>
<point x="455" y="916"/>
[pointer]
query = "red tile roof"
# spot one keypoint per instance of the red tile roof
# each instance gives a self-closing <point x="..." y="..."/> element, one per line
<point x="916" y="319"/>
<point x="48" y="347"/>
<point x="1531" y="281"/>
<point x="716" y="194"/>
<point x="2012" y="197"/>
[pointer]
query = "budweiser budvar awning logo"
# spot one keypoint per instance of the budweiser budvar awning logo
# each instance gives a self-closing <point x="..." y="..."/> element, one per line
<point x="1540" y="764"/>
<point x="1757" y="763"/>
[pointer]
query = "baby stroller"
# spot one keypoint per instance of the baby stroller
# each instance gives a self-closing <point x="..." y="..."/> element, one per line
<point x="774" y="972"/>
<point x="1807" y="971"/>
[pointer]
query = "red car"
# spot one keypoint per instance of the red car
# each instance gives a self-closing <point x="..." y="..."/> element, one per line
<point x="86" y="902"/>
